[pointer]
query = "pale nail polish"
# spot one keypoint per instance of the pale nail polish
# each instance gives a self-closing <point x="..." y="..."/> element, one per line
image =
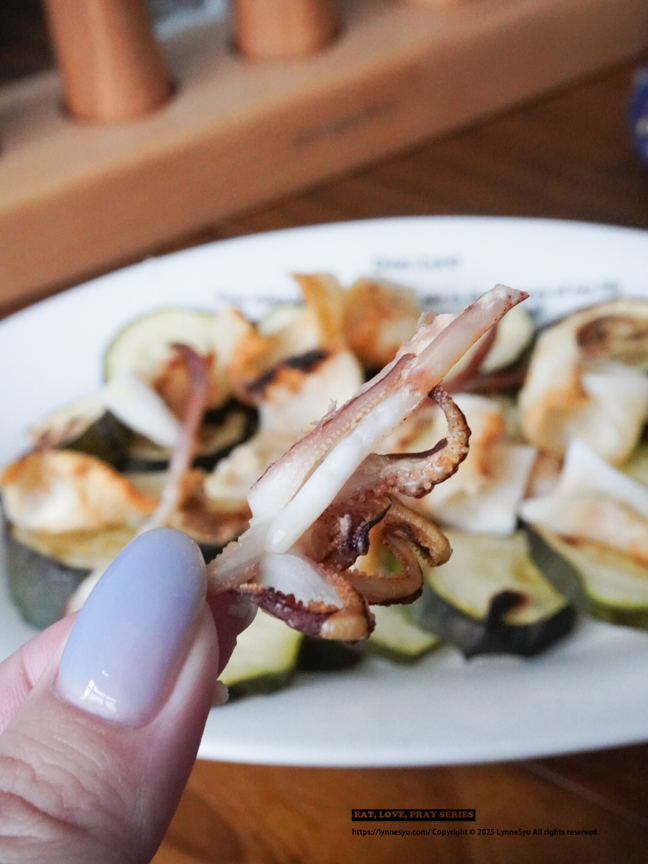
<point x="133" y="630"/>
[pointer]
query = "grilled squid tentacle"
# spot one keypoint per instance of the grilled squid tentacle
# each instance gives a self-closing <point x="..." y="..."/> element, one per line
<point x="313" y="510"/>
<point x="415" y="474"/>
<point x="379" y="589"/>
<point x="180" y="461"/>
<point x="460" y="379"/>
<point x="329" y="552"/>
<point x="343" y="531"/>
<point x="336" y="610"/>
<point x="409" y="538"/>
<point x="423" y="536"/>
<point x="184" y="448"/>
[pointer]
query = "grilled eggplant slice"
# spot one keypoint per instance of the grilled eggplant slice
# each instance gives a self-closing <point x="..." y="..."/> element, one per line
<point x="491" y="598"/>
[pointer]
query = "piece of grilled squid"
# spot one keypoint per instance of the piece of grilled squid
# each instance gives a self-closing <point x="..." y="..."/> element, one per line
<point x="587" y="381"/>
<point x="314" y="508"/>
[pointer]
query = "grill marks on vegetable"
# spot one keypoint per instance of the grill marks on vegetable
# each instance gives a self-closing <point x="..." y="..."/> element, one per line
<point x="305" y="363"/>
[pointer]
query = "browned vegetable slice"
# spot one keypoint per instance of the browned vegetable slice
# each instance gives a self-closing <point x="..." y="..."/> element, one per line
<point x="491" y="597"/>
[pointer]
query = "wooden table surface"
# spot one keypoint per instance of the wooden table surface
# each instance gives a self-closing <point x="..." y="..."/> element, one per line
<point x="564" y="156"/>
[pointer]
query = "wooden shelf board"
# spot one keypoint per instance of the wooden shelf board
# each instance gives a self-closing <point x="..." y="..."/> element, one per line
<point x="76" y="197"/>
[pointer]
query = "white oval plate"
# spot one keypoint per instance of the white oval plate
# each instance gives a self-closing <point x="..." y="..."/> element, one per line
<point x="590" y="691"/>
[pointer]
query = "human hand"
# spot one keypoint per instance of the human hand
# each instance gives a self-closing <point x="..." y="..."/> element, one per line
<point x="101" y="714"/>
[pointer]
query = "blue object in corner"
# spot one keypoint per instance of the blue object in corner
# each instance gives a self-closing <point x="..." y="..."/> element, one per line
<point x="639" y="113"/>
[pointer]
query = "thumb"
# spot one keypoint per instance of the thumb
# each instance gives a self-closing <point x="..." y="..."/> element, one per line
<point x="94" y="761"/>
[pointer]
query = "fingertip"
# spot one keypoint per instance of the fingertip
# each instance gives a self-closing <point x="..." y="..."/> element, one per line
<point x="133" y="631"/>
<point x="232" y="614"/>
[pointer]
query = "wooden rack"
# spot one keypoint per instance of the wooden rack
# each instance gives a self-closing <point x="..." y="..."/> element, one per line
<point x="78" y="197"/>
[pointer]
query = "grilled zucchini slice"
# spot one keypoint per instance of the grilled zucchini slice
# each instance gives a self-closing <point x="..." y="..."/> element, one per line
<point x="398" y="637"/>
<point x="490" y="597"/>
<point x="88" y="427"/>
<point x="145" y="343"/>
<point x="265" y="657"/>
<point x="327" y="655"/>
<point x="599" y="580"/>
<point x="220" y="432"/>
<point x="44" y="570"/>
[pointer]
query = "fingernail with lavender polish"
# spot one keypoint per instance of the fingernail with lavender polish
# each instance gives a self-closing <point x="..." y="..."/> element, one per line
<point x="133" y="631"/>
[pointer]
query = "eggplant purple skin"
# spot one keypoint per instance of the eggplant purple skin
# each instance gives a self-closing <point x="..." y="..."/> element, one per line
<point x="492" y="635"/>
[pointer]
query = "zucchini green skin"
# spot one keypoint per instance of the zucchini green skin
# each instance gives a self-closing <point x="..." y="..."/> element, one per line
<point x="39" y="585"/>
<point x="398" y="637"/>
<point x="327" y="655"/>
<point x="136" y="346"/>
<point x="572" y="582"/>
<point x="107" y="438"/>
<point x="400" y="656"/>
<point x="264" y="659"/>
<point x="260" y="685"/>
<point x="88" y="427"/>
<point x="492" y="635"/>
<point x="207" y="460"/>
<point x="492" y="598"/>
<point x="637" y="618"/>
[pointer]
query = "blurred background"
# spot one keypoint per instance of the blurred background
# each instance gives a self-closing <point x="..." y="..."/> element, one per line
<point x="419" y="91"/>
